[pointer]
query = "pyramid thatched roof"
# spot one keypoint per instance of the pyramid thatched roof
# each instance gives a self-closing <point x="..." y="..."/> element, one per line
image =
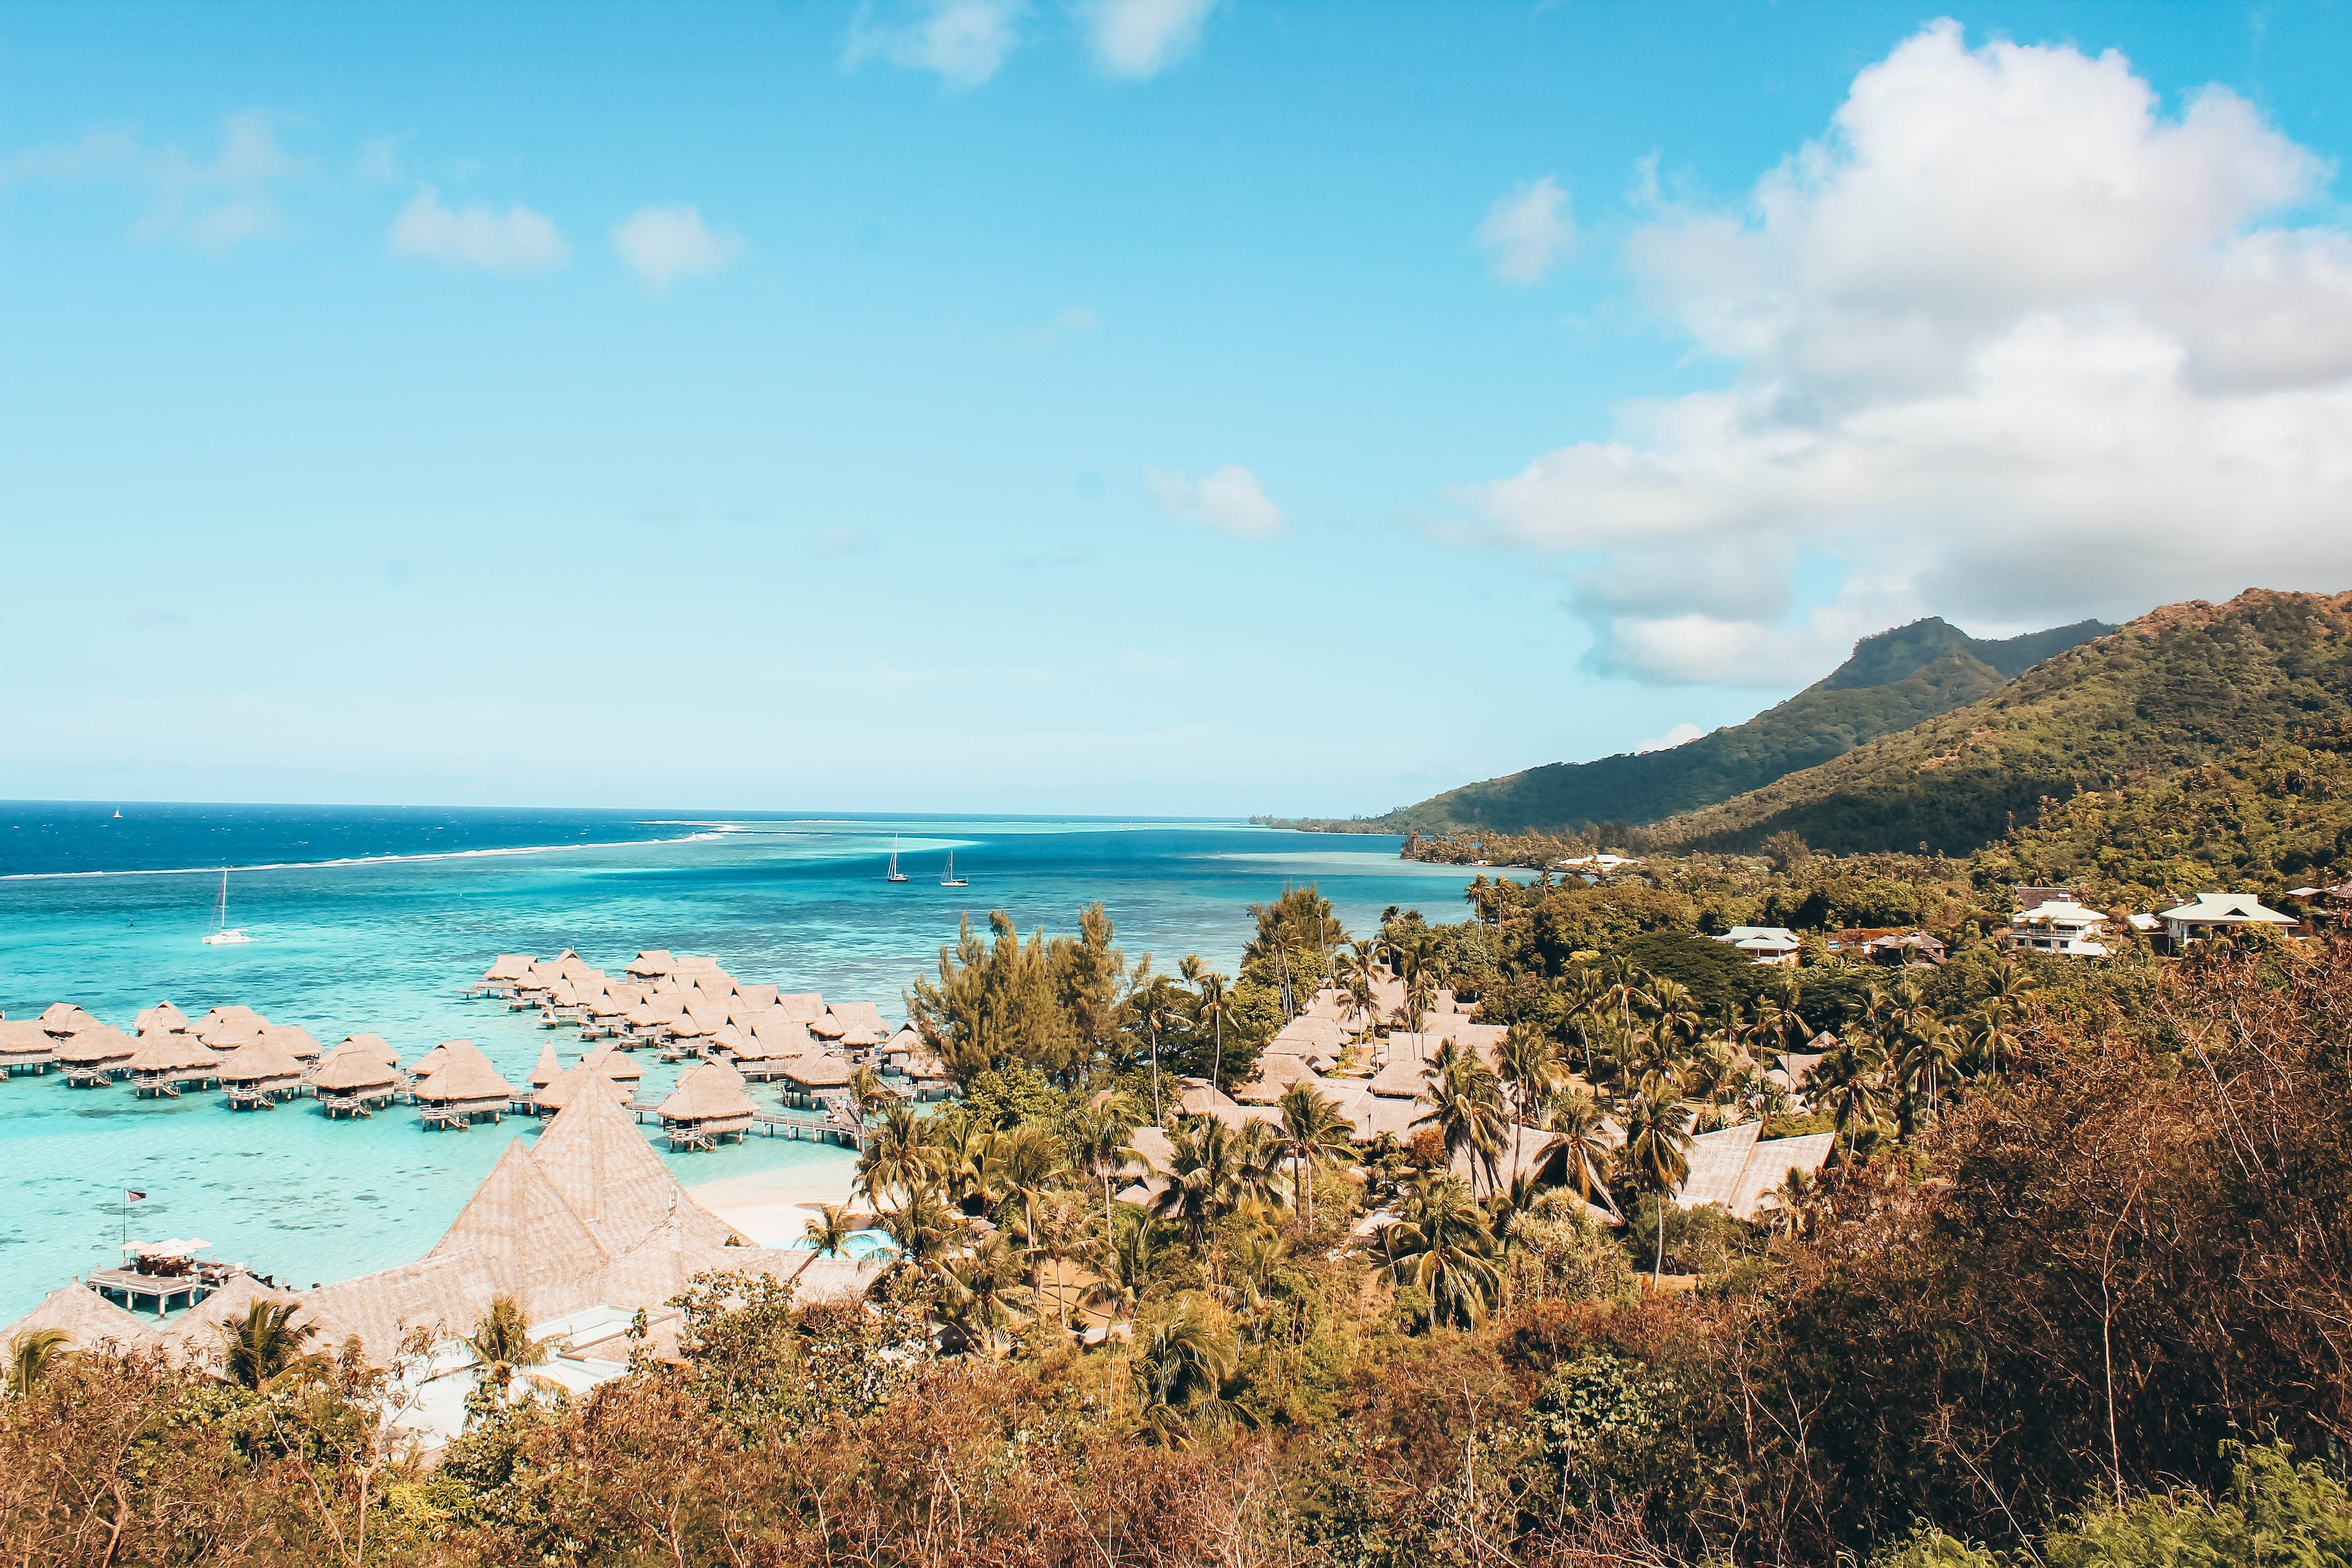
<point x="64" y="1018"/>
<point x="25" y="1036"/>
<point x="803" y="1007"/>
<point x="612" y="1178"/>
<point x="616" y="1064"/>
<point x="656" y="1010"/>
<point x="465" y="1076"/>
<point x="651" y="962"/>
<point x="567" y="1085"/>
<point x="235" y="1015"/>
<point x="1307" y="1035"/>
<point x="710" y="1092"/>
<point x="831" y="1026"/>
<point x="782" y="1037"/>
<point x="92" y="1047"/>
<point x="431" y="1062"/>
<point x="1401" y="1080"/>
<point x="163" y="1018"/>
<point x="260" y="1061"/>
<point x="757" y="998"/>
<point x="509" y="966"/>
<point x="87" y="1320"/>
<point x="817" y="1069"/>
<point x="172" y="1052"/>
<point x="354" y="1069"/>
<point x="549" y="1068"/>
<point x="376" y="1046"/>
<point x="1274" y="1074"/>
<point x="227" y="1035"/>
<point x="296" y="1041"/>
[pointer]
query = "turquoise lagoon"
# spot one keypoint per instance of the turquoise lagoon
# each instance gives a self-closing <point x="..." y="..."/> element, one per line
<point x="375" y="919"/>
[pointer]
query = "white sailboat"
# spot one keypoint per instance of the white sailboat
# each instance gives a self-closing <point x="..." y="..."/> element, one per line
<point x="894" y="874"/>
<point x="948" y="879"/>
<point x="224" y="935"/>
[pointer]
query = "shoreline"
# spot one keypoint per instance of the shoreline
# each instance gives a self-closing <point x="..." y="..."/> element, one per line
<point x="772" y="1207"/>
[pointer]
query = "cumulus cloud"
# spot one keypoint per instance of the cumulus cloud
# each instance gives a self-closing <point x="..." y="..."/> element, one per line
<point x="1229" y="499"/>
<point x="213" y="202"/>
<point x="1143" y="38"/>
<point x="2008" y="337"/>
<point x="1681" y="734"/>
<point x="1525" y="232"/>
<point x="962" y="42"/>
<point x="509" y="239"/>
<point x="662" y="245"/>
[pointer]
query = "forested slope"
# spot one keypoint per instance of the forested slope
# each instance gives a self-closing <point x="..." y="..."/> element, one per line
<point x="2181" y="687"/>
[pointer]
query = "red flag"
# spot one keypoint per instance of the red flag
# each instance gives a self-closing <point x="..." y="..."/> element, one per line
<point x="131" y="1197"/>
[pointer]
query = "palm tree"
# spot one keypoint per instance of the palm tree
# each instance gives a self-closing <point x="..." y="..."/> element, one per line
<point x="33" y="1355"/>
<point x="1576" y="1124"/>
<point x="1465" y="1103"/>
<point x="1124" y="1262"/>
<point x="1657" y="1134"/>
<point x="827" y="1233"/>
<point x="1204" y="1177"/>
<point x="925" y="1228"/>
<point x="867" y="1090"/>
<point x="1017" y="1166"/>
<point x="1216" y="1003"/>
<point x="1441" y="1240"/>
<point x="1155" y="1009"/>
<point x="1313" y="1136"/>
<point x="501" y="1342"/>
<point x="1259" y="1186"/>
<point x="1531" y="1070"/>
<point x="898" y="1155"/>
<point x="1623" y="987"/>
<point x="982" y="1284"/>
<point x="266" y="1343"/>
<point x="1179" y="1373"/>
<point x="1100" y="1142"/>
<point x="1420" y="995"/>
<point x="1847" y="1080"/>
<point x="1929" y="1047"/>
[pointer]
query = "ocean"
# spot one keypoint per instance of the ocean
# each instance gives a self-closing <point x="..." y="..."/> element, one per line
<point x="373" y="918"/>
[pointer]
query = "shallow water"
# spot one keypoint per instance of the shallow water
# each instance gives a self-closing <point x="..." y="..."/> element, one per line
<point x="370" y="941"/>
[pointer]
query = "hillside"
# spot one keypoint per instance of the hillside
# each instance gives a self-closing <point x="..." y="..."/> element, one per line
<point x="1892" y="681"/>
<point x="2181" y="687"/>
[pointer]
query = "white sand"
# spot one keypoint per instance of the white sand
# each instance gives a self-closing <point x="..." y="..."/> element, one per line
<point x="772" y="1207"/>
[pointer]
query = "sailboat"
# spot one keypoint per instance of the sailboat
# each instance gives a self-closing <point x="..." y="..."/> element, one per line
<point x="224" y="935"/>
<point x="894" y="874"/>
<point x="948" y="878"/>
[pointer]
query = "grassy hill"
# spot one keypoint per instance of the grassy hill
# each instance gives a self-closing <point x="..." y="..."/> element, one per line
<point x="1893" y="681"/>
<point x="2180" y="687"/>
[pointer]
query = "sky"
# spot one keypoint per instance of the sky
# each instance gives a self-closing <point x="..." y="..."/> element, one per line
<point x="1119" y="406"/>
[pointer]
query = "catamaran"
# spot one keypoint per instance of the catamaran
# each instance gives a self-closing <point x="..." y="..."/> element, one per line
<point x="224" y="935"/>
<point x="948" y="879"/>
<point x="894" y="874"/>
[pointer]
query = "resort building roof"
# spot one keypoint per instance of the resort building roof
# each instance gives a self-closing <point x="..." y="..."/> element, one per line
<point x="90" y="1048"/>
<point x="352" y="1068"/>
<point x="547" y="1069"/>
<point x="465" y="1076"/>
<point x="260" y="1061"/>
<point x="87" y="1320"/>
<point x="163" y="1018"/>
<point x="710" y="1092"/>
<point x="374" y="1046"/>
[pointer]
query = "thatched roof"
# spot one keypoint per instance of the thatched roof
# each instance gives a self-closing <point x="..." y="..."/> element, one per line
<point x="906" y="1040"/>
<point x="616" y="1064"/>
<point x="656" y="1010"/>
<point x="548" y="1068"/>
<point x="1274" y="1074"/>
<point x="376" y="1046"/>
<point x="232" y="1016"/>
<point x="465" y="1075"/>
<point x="653" y="962"/>
<point x="64" y="1018"/>
<point x="260" y="1061"/>
<point x="804" y="1006"/>
<point x="431" y="1062"/>
<point x="296" y="1041"/>
<point x="818" y="1069"/>
<point x="779" y="1036"/>
<point x="25" y="1036"/>
<point x="509" y="966"/>
<point x="172" y="1052"/>
<point x="195" y="1335"/>
<point x="161" y="1017"/>
<point x="758" y="998"/>
<point x="831" y="1026"/>
<point x="710" y="1092"/>
<point x="92" y="1046"/>
<point x="1401" y="1080"/>
<point x="1769" y="1167"/>
<point x="727" y="1038"/>
<point x="559" y="1091"/>
<point x="87" y="1320"/>
<point x="700" y="1017"/>
<point x="612" y="1178"/>
<point x="1307" y="1035"/>
<point x="228" y="1033"/>
<point x="352" y="1069"/>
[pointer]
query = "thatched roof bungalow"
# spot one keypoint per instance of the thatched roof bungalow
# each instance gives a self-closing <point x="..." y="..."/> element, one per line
<point x="95" y="1056"/>
<point x="87" y="1320"/>
<point x="807" y="1077"/>
<point x="295" y="1040"/>
<point x="800" y="1006"/>
<point x="462" y="1087"/>
<point x="651" y="965"/>
<point x="167" y="1063"/>
<point x="162" y="1018"/>
<point x="26" y="1046"/>
<point x="1274" y="1074"/>
<point x="61" y="1018"/>
<point x="708" y="1103"/>
<point x="352" y="1077"/>
<point x="258" y="1073"/>
<point x="552" y="1098"/>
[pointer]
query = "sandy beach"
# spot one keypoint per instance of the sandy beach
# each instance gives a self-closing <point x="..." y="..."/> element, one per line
<point x="772" y="1206"/>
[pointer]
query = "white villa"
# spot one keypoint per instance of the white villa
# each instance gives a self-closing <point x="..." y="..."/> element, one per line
<point x="2050" y="920"/>
<point x="2209" y="912"/>
<point x="1775" y="946"/>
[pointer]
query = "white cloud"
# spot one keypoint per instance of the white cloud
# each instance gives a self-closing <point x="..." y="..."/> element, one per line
<point x="662" y="245"/>
<point x="1229" y="499"/>
<point x="1681" y="734"/>
<point x="1143" y="38"/>
<point x="962" y="42"/>
<point x="212" y="204"/>
<point x="512" y="239"/>
<point x="2007" y="338"/>
<point x="1525" y="232"/>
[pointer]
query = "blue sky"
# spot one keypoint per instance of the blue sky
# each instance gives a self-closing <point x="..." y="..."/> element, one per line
<point x="1132" y="406"/>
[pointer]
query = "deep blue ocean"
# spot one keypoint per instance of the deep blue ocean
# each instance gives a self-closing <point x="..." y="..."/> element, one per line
<point x="373" y="918"/>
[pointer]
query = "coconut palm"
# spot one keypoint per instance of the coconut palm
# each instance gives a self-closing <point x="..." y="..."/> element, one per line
<point x="1442" y="1241"/>
<point x="1101" y="1142"/>
<point x="981" y="1287"/>
<point x="1259" y="1186"/>
<point x="1529" y="1064"/>
<point x="925" y="1228"/>
<point x="1124" y="1262"/>
<point x="501" y="1344"/>
<point x="1216" y="1003"/>
<point x="1204" y="1176"/>
<point x="1180" y="1371"/>
<point x="33" y="1355"/>
<point x="826" y="1234"/>
<point x="1465" y="1104"/>
<point x="1257" y="1270"/>
<point x="898" y="1155"/>
<point x="1657" y="1134"/>
<point x="1016" y="1167"/>
<point x="867" y="1091"/>
<point x="1846" y="1081"/>
<point x="1420" y="995"/>
<point x="1313" y="1136"/>
<point x="1929" y="1049"/>
<point x="1579" y="1131"/>
<point x="267" y="1343"/>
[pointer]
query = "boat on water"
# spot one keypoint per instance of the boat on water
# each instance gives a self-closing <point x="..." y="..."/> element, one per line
<point x="224" y="935"/>
<point x="948" y="878"/>
<point x="894" y="874"/>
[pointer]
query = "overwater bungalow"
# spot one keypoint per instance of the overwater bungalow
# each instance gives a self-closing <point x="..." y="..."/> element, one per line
<point x="258" y="1074"/>
<point x="224" y="1030"/>
<point x="499" y="978"/>
<point x="462" y="1086"/>
<point x="745" y="1052"/>
<point x="616" y="1065"/>
<point x="808" y="1079"/>
<point x="293" y="1039"/>
<point x="166" y="1063"/>
<point x="96" y="1057"/>
<point x="376" y="1047"/>
<point x="709" y="1103"/>
<point x="927" y="1077"/>
<point x="651" y="965"/>
<point x="163" y="1019"/>
<point x="570" y="1082"/>
<point x="548" y="1070"/>
<point x="353" y="1079"/>
<point x="647" y="1020"/>
<point x="800" y="1006"/>
<point x="828" y="1028"/>
<point x="26" y="1046"/>
<point x="862" y="1024"/>
<point x="752" y="998"/>
<point x="62" y="1018"/>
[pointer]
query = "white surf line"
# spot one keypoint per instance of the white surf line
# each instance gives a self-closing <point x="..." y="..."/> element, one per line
<point x="355" y="859"/>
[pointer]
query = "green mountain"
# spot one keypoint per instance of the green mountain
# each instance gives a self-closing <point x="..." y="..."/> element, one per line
<point x="1893" y="681"/>
<point x="2182" y="687"/>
